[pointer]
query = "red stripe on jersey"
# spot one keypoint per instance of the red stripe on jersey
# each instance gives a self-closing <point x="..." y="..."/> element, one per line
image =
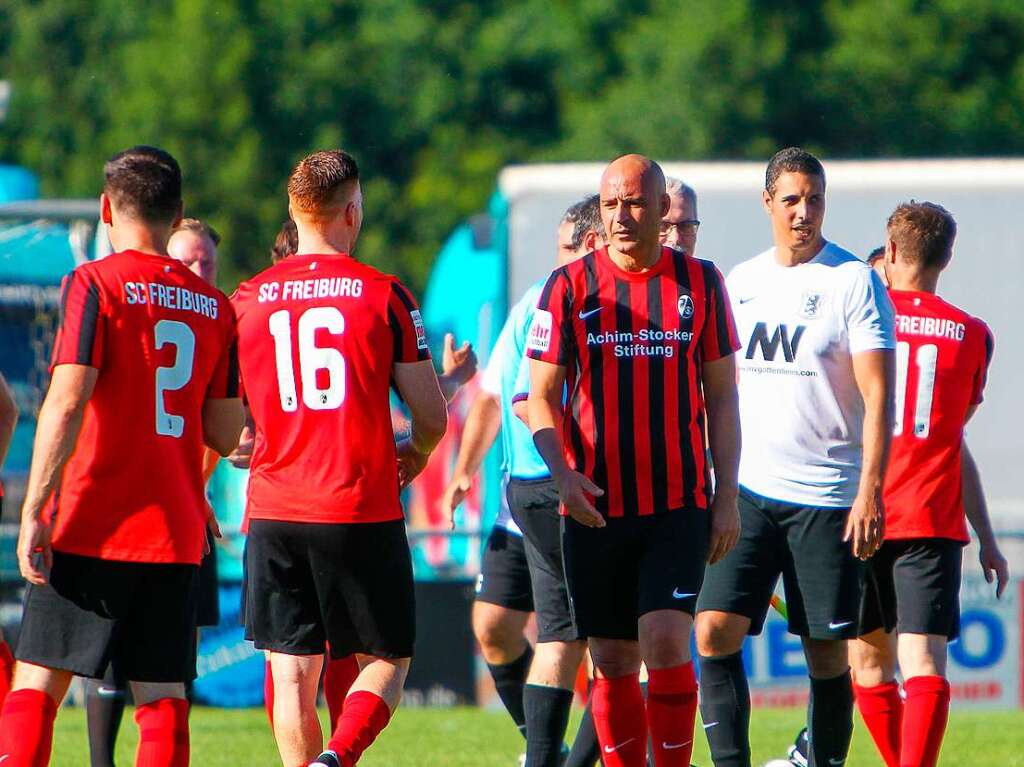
<point x="642" y="414"/>
<point x="673" y="452"/>
<point x="702" y="312"/>
<point x="608" y="423"/>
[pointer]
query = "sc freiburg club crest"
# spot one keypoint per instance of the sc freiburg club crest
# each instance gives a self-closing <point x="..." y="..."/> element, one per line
<point x="685" y="306"/>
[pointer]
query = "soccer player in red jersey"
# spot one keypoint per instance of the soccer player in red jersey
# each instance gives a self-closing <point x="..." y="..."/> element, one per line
<point x="144" y="372"/>
<point x="912" y="606"/>
<point x="8" y="420"/>
<point x="321" y="338"/>
<point x="644" y="338"/>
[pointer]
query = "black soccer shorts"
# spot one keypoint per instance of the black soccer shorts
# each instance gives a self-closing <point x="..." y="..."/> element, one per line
<point x="207" y="586"/>
<point x="823" y="581"/>
<point x="633" y="566"/>
<point x="534" y="505"/>
<point x="136" y="617"/>
<point x="913" y="586"/>
<point x="350" y="585"/>
<point x="504" y="578"/>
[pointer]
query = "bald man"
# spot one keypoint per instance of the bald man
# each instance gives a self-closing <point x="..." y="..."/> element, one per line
<point x="194" y="243"/>
<point x="643" y="336"/>
<point x="679" y="226"/>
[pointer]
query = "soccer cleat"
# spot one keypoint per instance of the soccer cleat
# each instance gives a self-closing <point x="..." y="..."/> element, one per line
<point x="326" y="759"/>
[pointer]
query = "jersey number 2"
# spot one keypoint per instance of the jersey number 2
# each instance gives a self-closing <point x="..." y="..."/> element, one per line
<point x="312" y="358"/>
<point x="177" y="376"/>
<point x="926" y="359"/>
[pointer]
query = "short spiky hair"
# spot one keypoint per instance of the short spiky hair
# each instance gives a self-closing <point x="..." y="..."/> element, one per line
<point x="585" y="216"/>
<point x="923" y="233"/>
<point x="792" y="160"/>
<point x="145" y="183"/>
<point x="319" y="180"/>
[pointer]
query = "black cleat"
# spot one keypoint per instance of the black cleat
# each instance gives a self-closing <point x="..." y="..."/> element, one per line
<point x="326" y="759"/>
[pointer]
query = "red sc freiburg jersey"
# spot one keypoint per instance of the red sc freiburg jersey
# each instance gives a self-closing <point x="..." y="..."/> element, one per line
<point x="633" y="345"/>
<point x="318" y="338"/>
<point x="942" y="357"/>
<point x="163" y="342"/>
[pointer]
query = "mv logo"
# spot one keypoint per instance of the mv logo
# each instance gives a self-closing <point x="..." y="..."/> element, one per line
<point x="770" y="346"/>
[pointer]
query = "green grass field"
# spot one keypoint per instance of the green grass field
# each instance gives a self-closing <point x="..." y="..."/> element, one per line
<point x="468" y="737"/>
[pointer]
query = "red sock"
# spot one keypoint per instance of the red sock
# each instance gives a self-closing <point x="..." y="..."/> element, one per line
<point x="268" y="693"/>
<point x="882" y="710"/>
<point x="338" y="679"/>
<point x="924" y="720"/>
<point x="26" y="728"/>
<point x="617" y="706"/>
<point x="163" y="733"/>
<point x="671" y="711"/>
<point x="6" y="670"/>
<point x="361" y="721"/>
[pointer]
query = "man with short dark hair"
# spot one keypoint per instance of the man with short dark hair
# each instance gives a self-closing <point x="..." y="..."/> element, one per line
<point x="321" y="338"/>
<point x="144" y="372"/>
<point x="517" y="576"/>
<point x="680" y="224"/>
<point x="643" y="336"/>
<point x="815" y="386"/>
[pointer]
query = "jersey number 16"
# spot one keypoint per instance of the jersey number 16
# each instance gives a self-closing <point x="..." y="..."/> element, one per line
<point x="312" y="359"/>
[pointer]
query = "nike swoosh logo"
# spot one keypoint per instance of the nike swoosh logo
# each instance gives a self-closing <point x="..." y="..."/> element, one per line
<point x="836" y="626"/>
<point x="709" y="726"/>
<point x="670" y="746"/>
<point x="746" y="300"/>
<point x="583" y="315"/>
<point x="613" y="749"/>
<point x="677" y="594"/>
<point x="837" y="762"/>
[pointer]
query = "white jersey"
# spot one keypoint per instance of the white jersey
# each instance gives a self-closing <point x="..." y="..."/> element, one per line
<point x="801" y="412"/>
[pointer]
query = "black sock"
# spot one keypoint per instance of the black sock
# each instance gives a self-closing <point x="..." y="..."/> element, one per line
<point x="547" y="716"/>
<point x="509" y="679"/>
<point x="830" y="720"/>
<point x="585" y="748"/>
<point x="104" y="705"/>
<point x="725" y="709"/>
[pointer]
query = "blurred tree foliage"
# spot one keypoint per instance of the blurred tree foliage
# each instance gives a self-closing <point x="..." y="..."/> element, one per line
<point x="433" y="98"/>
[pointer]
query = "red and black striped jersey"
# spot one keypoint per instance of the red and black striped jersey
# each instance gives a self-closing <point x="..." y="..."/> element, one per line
<point x="633" y="345"/>
<point x="163" y="342"/>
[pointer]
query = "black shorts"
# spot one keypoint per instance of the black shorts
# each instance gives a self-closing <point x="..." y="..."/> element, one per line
<point x="208" y="595"/>
<point x="913" y="587"/>
<point x="823" y="581"/>
<point x="504" y="578"/>
<point x="350" y="585"/>
<point x="633" y="566"/>
<point x="136" y="617"/>
<point x="534" y="504"/>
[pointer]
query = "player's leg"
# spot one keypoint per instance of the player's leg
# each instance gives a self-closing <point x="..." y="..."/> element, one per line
<point x="339" y="675"/>
<point x="161" y="714"/>
<point x="6" y="667"/>
<point x="283" y="615"/>
<point x="927" y="577"/>
<point x="873" y="658"/>
<point x="671" y="574"/>
<point x="104" y="707"/>
<point x="547" y="697"/>
<point x="58" y="639"/>
<point x="504" y="601"/>
<point x="602" y="572"/>
<point x="824" y="585"/>
<point x="365" y="589"/>
<point x="733" y="603"/>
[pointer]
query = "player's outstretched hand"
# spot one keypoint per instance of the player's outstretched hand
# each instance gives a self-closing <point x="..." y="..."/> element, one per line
<point x="573" y="490"/>
<point x="725" y="526"/>
<point x="994" y="565"/>
<point x="865" y="526"/>
<point x="459" y="364"/>
<point x="410" y="462"/>
<point x="242" y="455"/>
<point x="454" y="495"/>
<point x="33" y="548"/>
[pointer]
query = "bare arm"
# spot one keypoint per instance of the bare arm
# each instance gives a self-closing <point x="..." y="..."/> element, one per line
<point x="417" y="383"/>
<point x="544" y="406"/>
<point x="57" y="429"/>
<point x="223" y="420"/>
<point x="457" y="366"/>
<point x="873" y="371"/>
<point x="479" y="433"/>
<point x="722" y="402"/>
<point x="8" y="418"/>
<point x="993" y="563"/>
